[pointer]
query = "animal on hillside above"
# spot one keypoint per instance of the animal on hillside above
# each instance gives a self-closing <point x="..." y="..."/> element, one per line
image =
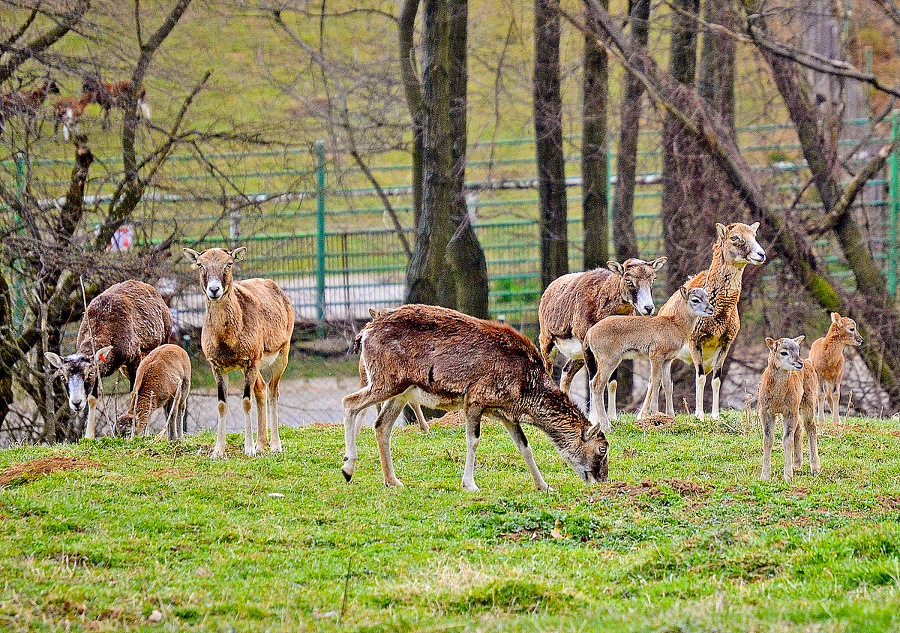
<point x="113" y="94"/>
<point x="735" y="248"/>
<point x="247" y="327"/>
<point x="25" y="103"/>
<point x="67" y="111"/>
<point x="120" y="327"/>
<point x="788" y="388"/>
<point x="447" y="360"/>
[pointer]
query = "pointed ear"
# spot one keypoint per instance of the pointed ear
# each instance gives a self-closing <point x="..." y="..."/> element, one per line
<point x="754" y="226"/>
<point x="721" y="230"/>
<point x="54" y="360"/>
<point x="770" y="343"/>
<point x="659" y="262"/>
<point x="191" y="254"/>
<point x="593" y="433"/>
<point x="103" y="354"/>
<point x="616" y="267"/>
<point x="835" y="317"/>
<point x="238" y="253"/>
<point x="684" y="293"/>
<point x="799" y="339"/>
<point x="373" y="313"/>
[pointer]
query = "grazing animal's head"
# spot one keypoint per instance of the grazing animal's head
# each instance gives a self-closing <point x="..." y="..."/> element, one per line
<point x="595" y="467"/>
<point x="636" y="284"/>
<point x="81" y="373"/>
<point x="697" y="300"/>
<point x="739" y="245"/>
<point x="844" y="329"/>
<point x="785" y="353"/>
<point x="125" y="425"/>
<point x="215" y="269"/>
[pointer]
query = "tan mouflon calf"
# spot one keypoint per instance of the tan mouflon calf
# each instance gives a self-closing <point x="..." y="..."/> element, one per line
<point x="658" y="338"/>
<point x="247" y="327"/>
<point x="735" y="247"/>
<point x="120" y="327"/>
<point x="827" y="356"/>
<point x="788" y="387"/>
<point x="163" y="378"/>
<point x="443" y="359"/>
<point x="571" y="304"/>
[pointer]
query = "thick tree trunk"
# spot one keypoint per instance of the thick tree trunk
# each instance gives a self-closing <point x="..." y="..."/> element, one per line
<point x="594" y="184"/>
<point x="433" y="231"/>
<point x="549" y="147"/>
<point x="624" y="236"/>
<point x="464" y="253"/>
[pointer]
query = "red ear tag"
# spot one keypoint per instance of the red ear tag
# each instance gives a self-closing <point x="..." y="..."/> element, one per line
<point x="102" y="359"/>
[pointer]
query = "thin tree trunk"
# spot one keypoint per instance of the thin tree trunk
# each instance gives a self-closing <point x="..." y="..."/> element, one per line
<point x="549" y="145"/>
<point x="624" y="236"/>
<point x="433" y="231"/>
<point x="413" y="90"/>
<point x="593" y="153"/>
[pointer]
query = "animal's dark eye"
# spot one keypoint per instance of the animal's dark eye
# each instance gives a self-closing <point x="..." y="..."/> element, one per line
<point x="629" y="283"/>
<point x="736" y="240"/>
<point x="229" y="265"/>
<point x="784" y="353"/>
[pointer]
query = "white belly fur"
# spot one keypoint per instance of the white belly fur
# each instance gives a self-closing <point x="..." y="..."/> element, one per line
<point x="417" y="395"/>
<point x="267" y="360"/>
<point x="569" y="347"/>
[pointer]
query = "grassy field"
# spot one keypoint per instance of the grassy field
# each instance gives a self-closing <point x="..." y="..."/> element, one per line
<point x="149" y="536"/>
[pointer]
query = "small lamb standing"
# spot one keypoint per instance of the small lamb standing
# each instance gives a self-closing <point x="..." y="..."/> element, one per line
<point x="827" y="356"/>
<point x="735" y="247"/>
<point x="163" y="378"/>
<point x="658" y="338"/>
<point x="248" y="326"/>
<point x="788" y="387"/>
<point x="571" y="304"/>
<point x="120" y="327"/>
<point x="447" y="360"/>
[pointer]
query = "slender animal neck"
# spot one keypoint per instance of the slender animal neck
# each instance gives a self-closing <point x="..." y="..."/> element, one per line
<point x="225" y="312"/>
<point x="555" y="415"/>
<point x="777" y="377"/>
<point x="724" y="279"/>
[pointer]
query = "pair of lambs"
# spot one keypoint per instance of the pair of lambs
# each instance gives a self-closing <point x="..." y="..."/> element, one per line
<point x="126" y="328"/>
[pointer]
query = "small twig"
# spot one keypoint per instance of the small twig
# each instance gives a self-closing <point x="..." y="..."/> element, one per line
<point x="346" y="590"/>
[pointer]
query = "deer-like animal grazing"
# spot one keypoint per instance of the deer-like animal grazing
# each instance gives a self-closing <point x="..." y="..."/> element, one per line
<point x="248" y="326"/>
<point x="113" y="94"/>
<point x="571" y="304"/>
<point x="120" y="327"/>
<point x="67" y="111"/>
<point x="658" y="338"/>
<point x="735" y="247"/>
<point x="827" y="356"/>
<point x="788" y="387"/>
<point x="25" y="103"/>
<point x="446" y="360"/>
<point x="163" y="378"/>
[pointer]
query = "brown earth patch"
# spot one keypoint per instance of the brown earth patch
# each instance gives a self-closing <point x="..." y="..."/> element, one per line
<point x="451" y="418"/>
<point x="173" y="472"/>
<point x="891" y="502"/>
<point x="43" y="466"/>
<point x="655" y="422"/>
<point x="846" y="428"/>
<point x="687" y="488"/>
<point x="614" y="489"/>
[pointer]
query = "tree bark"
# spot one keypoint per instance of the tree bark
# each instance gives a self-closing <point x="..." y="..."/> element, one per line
<point x="433" y="231"/>
<point x="406" y="24"/>
<point x="624" y="236"/>
<point x="595" y="88"/>
<point x="464" y="253"/>
<point x="549" y="144"/>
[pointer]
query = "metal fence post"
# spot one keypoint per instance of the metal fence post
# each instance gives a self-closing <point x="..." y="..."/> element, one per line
<point x="320" y="230"/>
<point x="894" y="206"/>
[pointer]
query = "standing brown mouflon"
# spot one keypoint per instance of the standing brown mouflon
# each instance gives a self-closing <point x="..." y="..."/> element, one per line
<point x="712" y="337"/>
<point x="571" y="304"/>
<point x="248" y="326"/>
<point x="827" y="356"/>
<point x="788" y="387"/>
<point x="163" y="377"/>
<point x="447" y="360"/>
<point x="121" y="326"/>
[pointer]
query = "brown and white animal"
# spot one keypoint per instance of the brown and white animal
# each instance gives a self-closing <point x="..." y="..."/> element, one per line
<point x="788" y="387"/>
<point x="25" y="103"/>
<point x="735" y="247"/>
<point x="827" y="356"/>
<point x="67" y="111"/>
<point x="447" y="360"/>
<point x="120" y="327"/>
<point x="163" y="378"/>
<point x="658" y="338"/>
<point x="113" y="94"/>
<point x="248" y="327"/>
<point x="571" y="304"/>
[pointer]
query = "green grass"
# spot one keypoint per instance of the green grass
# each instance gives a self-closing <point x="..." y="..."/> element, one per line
<point x="685" y="538"/>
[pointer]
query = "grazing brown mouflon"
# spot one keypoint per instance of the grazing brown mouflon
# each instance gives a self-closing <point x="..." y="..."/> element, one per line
<point x="163" y="377"/>
<point x="827" y="356"/>
<point x="447" y="360"/>
<point x="788" y="387"/>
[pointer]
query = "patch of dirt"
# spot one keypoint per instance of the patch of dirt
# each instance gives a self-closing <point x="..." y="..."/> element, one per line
<point x="891" y="502"/>
<point x="43" y="466"/>
<point x="451" y="418"/>
<point x="847" y="428"/>
<point x="655" y="422"/>
<point x="687" y="488"/>
<point x="613" y="489"/>
<point x="173" y="472"/>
